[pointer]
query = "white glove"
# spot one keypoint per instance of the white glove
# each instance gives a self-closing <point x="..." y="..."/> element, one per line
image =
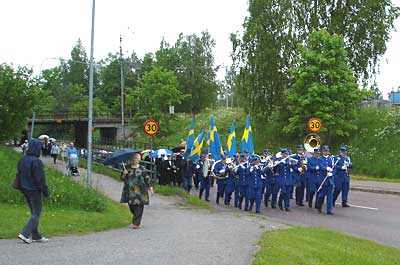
<point x="344" y="167"/>
<point x="197" y="167"/>
<point x="304" y="162"/>
<point x="291" y="170"/>
<point x="329" y="169"/>
<point x="317" y="168"/>
<point x="329" y="174"/>
<point x="300" y="169"/>
<point x="222" y="171"/>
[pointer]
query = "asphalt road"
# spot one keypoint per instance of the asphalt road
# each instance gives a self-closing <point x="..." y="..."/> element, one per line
<point x="372" y="216"/>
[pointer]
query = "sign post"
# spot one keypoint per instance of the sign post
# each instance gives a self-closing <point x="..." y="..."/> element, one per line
<point x="314" y="125"/>
<point x="151" y="128"/>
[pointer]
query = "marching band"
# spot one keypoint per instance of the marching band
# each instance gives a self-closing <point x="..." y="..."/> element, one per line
<point x="251" y="179"/>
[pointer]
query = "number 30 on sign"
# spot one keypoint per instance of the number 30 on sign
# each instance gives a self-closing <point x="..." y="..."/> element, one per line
<point x="314" y="125"/>
<point x="151" y="127"/>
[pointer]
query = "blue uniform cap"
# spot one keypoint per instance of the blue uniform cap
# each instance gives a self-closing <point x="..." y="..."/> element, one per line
<point x="325" y="148"/>
<point x="223" y="156"/>
<point x="343" y="149"/>
<point x="317" y="151"/>
<point x="254" y="159"/>
<point x="284" y="151"/>
<point x="266" y="150"/>
<point x="300" y="147"/>
<point x="242" y="156"/>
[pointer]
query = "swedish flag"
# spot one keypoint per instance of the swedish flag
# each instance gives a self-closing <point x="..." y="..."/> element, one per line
<point x="247" y="139"/>
<point x="190" y="139"/>
<point x="214" y="141"/>
<point x="196" y="148"/>
<point x="231" y="143"/>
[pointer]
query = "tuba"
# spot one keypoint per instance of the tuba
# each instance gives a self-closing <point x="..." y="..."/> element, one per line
<point x="312" y="141"/>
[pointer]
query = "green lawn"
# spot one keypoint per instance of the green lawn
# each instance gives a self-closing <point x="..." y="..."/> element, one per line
<point x="189" y="200"/>
<point x="369" y="178"/>
<point x="319" y="246"/>
<point x="61" y="221"/>
<point x="71" y="208"/>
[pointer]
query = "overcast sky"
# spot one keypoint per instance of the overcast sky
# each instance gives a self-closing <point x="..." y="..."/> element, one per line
<point x="34" y="31"/>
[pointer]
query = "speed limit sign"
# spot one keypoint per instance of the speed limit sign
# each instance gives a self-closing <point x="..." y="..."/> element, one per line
<point x="151" y="127"/>
<point x="314" y="125"/>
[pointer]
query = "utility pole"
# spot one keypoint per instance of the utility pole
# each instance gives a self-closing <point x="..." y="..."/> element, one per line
<point x="90" y="116"/>
<point x="122" y="87"/>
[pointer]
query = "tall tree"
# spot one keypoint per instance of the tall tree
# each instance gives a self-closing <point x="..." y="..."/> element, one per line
<point x="76" y="69"/>
<point x="323" y="87"/>
<point x="192" y="60"/>
<point x="158" y="92"/>
<point x="274" y="27"/>
<point x="17" y="97"/>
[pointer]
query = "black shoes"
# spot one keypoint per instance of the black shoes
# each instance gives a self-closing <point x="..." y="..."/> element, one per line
<point x="345" y="205"/>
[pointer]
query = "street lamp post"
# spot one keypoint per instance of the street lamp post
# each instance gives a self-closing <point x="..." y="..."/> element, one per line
<point x="90" y="116"/>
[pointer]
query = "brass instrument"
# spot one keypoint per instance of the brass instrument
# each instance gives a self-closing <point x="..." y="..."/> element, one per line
<point x="223" y="175"/>
<point x="312" y="141"/>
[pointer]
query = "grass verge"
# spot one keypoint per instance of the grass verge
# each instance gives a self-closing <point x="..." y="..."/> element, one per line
<point x="101" y="169"/>
<point x="189" y="200"/>
<point x="369" y="178"/>
<point x="62" y="221"/>
<point x="303" y="245"/>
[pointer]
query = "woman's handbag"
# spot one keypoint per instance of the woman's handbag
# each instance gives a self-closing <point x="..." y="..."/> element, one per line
<point x="17" y="182"/>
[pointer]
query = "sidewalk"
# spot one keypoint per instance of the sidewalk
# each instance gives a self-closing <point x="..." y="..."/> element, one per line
<point x="376" y="187"/>
<point x="170" y="235"/>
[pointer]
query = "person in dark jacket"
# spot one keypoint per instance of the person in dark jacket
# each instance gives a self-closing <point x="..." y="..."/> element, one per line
<point x="33" y="185"/>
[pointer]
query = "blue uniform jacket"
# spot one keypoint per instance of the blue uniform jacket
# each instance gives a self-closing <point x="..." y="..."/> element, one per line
<point x="241" y="171"/>
<point x="199" y="169"/>
<point x="283" y="172"/>
<point x="316" y="175"/>
<point x="339" y="173"/>
<point x="328" y="162"/>
<point x="255" y="180"/>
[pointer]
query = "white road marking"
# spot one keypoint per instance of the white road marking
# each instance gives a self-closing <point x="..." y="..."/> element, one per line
<point x="362" y="207"/>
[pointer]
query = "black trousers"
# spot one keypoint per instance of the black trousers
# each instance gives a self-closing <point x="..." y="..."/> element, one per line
<point x="137" y="211"/>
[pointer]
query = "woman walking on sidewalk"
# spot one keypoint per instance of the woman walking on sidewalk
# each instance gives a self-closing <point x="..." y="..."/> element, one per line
<point x="135" y="190"/>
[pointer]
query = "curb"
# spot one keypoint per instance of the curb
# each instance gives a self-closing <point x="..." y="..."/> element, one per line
<point x="363" y="189"/>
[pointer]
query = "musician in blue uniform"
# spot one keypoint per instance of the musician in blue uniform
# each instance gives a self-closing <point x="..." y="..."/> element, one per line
<point x="255" y="184"/>
<point x="202" y="172"/>
<point x="230" y="182"/>
<point x="326" y="182"/>
<point x="284" y="179"/>
<point x="271" y="186"/>
<point x="242" y="182"/>
<point x="342" y="176"/>
<point x="315" y="170"/>
<point x="298" y="174"/>
<point x="220" y="169"/>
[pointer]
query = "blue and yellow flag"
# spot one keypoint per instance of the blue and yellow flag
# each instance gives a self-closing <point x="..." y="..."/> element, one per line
<point x="196" y="148"/>
<point x="190" y="140"/>
<point x="214" y="141"/>
<point x="231" y="143"/>
<point x="247" y="139"/>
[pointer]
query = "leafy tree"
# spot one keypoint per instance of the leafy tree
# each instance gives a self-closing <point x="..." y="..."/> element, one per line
<point x="158" y="92"/>
<point x="274" y="27"/>
<point x="82" y="106"/>
<point x="192" y="60"/>
<point x="76" y="69"/>
<point x="109" y="87"/>
<point x="323" y="87"/>
<point x="17" y="97"/>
